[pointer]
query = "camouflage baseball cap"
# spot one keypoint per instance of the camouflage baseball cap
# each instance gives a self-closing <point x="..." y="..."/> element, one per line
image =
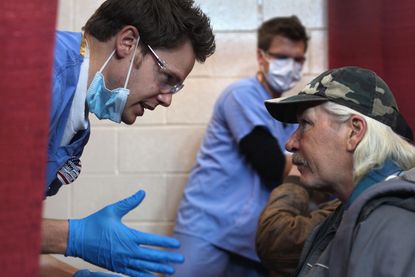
<point x="357" y="88"/>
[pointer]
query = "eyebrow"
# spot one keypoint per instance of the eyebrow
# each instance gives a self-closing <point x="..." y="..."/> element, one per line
<point x="163" y="64"/>
<point x="171" y="72"/>
<point x="174" y="75"/>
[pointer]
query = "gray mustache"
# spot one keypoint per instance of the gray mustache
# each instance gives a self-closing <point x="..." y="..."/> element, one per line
<point x="298" y="160"/>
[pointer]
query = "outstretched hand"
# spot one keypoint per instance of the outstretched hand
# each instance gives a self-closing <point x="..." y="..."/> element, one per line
<point x="102" y="239"/>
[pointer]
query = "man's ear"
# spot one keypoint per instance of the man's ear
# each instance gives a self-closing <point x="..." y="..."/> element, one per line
<point x="260" y="57"/>
<point x="357" y="131"/>
<point x="125" y="41"/>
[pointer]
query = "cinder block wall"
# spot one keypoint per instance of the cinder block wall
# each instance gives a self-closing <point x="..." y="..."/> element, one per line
<point x="158" y="151"/>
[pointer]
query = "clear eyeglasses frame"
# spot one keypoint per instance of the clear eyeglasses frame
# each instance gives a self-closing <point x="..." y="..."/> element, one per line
<point x="167" y="85"/>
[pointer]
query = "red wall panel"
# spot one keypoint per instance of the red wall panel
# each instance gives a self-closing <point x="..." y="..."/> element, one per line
<point x="27" y="36"/>
<point x="379" y="35"/>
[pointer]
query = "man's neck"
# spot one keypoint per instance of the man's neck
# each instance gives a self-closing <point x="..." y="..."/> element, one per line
<point x="272" y="92"/>
<point x="98" y="53"/>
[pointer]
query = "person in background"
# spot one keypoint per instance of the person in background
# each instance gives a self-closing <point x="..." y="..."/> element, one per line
<point x="351" y="143"/>
<point x="290" y="215"/>
<point x="132" y="57"/>
<point x="240" y="161"/>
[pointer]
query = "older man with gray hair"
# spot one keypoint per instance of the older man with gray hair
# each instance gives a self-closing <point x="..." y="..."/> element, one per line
<point x="351" y="142"/>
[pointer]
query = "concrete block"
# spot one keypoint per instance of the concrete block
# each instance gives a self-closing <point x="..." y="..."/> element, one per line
<point x="194" y="105"/>
<point x="158" y="150"/>
<point x="59" y="205"/>
<point x="83" y="11"/>
<point x="318" y="52"/>
<point x="312" y="13"/>
<point x="99" y="155"/>
<point x="158" y="116"/>
<point x="231" y="15"/>
<point x="175" y="186"/>
<point x="235" y="56"/>
<point x="96" y="192"/>
<point x="65" y="16"/>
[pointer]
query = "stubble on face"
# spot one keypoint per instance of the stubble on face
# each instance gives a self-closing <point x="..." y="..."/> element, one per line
<point x="321" y="154"/>
<point x="144" y="85"/>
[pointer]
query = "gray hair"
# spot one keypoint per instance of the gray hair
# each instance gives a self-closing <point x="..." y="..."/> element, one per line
<point x="379" y="143"/>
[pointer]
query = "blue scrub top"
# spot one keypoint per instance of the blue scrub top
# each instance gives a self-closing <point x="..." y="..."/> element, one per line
<point x="224" y="195"/>
<point x="67" y="66"/>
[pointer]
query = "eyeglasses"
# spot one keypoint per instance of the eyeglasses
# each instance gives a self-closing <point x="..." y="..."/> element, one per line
<point x="300" y="59"/>
<point x="168" y="82"/>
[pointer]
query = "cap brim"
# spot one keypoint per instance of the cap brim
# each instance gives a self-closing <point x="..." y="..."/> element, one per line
<point x="285" y="109"/>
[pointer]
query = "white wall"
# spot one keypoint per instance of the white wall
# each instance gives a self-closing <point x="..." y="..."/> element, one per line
<point x="157" y="152"/>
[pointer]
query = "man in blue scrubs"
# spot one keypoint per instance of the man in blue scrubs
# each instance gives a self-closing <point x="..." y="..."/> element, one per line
<point x="133" y="56"/>
<point x="240" y="161"/>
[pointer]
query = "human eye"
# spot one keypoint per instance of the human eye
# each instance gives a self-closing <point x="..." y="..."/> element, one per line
<point x="304" y="124"/>
<point x="172" y="80"/>
<point x="163" y="77"/>
<point x="168" y="79"/>
<point x="282" y="57"/>
<point x="300" y="60"/>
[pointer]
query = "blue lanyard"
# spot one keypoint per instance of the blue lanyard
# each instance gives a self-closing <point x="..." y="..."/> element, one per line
<point x="373" y="177"/>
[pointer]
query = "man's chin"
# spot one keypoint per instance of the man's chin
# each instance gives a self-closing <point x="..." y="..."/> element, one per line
<point x="129" y="120"/>
<point x="309" y="184"/>
<point x="306" y="182"/>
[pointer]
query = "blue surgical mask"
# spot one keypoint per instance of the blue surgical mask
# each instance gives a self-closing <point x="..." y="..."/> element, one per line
<point x="283" y="74"/>
<point x="106" y="103"/>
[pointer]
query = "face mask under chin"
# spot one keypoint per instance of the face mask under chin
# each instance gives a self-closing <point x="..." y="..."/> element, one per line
<point x="106" y="103"/>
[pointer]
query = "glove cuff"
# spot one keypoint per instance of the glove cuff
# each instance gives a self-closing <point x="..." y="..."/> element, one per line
<point x="73" y="241"/>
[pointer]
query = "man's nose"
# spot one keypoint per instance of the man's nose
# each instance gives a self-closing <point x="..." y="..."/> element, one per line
<point x="292" y="143"/>
<point x="165" y="99"/>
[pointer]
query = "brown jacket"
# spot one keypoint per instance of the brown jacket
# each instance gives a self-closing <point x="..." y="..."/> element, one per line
<point x="285" y="223"/>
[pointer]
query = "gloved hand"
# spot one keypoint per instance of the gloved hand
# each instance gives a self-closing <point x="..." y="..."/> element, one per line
<point x="102" y="239"/>
<point x="87" y="273"/>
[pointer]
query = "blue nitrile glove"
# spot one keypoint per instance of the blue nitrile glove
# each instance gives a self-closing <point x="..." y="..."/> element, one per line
<point x="102" y="239"/>
<point x="87" y="273"/>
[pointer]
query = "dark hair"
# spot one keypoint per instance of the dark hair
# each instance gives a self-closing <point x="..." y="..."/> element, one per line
<point x="160" y="23"/>
<point x="289" y="27"/>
